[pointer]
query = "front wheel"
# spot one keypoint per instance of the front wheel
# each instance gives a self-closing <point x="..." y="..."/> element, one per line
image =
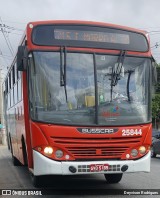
<point x="153" y="154"/>
<point x="113" y="178"/>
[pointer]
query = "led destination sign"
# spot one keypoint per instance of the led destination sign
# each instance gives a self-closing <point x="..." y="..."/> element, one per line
<point x="62" y="34"/>
<point x="87" y="36"/>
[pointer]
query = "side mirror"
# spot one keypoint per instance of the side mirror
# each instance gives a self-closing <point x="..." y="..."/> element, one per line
<point x="22" y="58"/>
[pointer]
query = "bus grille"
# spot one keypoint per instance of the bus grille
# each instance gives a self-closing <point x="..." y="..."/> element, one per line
<point x="96" y="148"/>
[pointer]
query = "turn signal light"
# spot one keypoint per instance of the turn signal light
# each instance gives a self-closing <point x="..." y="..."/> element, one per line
<point x="142" y="149"/>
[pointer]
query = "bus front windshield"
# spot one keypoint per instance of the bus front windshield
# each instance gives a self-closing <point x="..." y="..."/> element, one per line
<point x="88" y="89"/>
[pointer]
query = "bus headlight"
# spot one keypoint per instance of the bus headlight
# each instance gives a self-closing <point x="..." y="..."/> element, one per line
<point x="59" y="153"/>
<point x="134" y="152"/>
<point x="48" y="150"/>
<point x="142" y="149"/>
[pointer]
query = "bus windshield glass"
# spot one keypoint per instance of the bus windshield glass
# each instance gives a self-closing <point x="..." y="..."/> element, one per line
<point x="78" y="89"/>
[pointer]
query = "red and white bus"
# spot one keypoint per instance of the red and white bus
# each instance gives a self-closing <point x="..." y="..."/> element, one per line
<point x="78" y="100"/>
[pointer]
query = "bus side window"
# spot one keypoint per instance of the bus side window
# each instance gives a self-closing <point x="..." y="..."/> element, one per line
<point x="6" y="86"/>
<point x="19" y="83"/>
<point x="13" y="74"/>
<point x="9" y="89"/>
<point x="9" y="81"/>
<point x="13" y="84"/>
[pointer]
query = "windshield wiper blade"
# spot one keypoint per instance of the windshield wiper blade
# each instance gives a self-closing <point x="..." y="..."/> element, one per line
<point x="128" y="82"/>
<point x="63" y="64"/>
<point x="115" y="76"/>
<point x="62" y="75"/>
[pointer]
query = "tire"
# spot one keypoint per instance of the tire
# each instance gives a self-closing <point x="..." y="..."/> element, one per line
<point x="153" y="154"/>
<point x="113" y="178"/>
<point x="36" y="181"/>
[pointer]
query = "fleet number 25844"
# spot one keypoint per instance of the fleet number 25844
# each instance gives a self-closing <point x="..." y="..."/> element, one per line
<point x="131" y="132"/>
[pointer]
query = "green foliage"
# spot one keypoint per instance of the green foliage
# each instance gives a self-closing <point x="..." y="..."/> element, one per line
<point x="156" y="100"/>
<point x="158" y="79"/>
<point x="156" y="106"/>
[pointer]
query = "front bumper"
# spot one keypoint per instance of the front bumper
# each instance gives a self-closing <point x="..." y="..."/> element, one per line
<point x="46" y="166"/>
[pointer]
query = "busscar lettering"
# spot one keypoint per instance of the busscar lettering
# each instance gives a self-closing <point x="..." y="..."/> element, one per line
<point x="102" y="131"/>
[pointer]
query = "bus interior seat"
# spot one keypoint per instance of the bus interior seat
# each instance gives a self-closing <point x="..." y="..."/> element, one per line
<point x="89" y="101"/>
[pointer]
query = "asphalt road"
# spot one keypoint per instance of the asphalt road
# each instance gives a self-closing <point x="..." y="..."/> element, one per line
<point x="94" y="186"/>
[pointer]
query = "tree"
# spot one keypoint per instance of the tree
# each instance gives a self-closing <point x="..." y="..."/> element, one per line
<point x="156" y="106"/>
<point x="156" y="99"/>
<point x="158" y="80"/>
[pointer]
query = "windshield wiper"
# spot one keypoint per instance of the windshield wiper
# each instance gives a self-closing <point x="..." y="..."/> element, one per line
<point x="62" y="70"/>
<point x="116" y="70"/>
<point x="63" y="63"/>
<point x="128" y="82"/>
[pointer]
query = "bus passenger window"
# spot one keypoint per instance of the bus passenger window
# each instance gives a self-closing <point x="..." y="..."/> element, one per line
<point x="13" y="75"/>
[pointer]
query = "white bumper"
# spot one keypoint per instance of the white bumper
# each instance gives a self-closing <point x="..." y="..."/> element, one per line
<point x="46" y="166"/>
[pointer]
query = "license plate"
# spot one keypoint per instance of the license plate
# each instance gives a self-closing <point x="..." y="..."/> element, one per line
<point x="98" y="167"/>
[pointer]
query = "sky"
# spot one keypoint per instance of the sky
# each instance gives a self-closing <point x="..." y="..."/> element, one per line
<point x="15" y="14"/>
